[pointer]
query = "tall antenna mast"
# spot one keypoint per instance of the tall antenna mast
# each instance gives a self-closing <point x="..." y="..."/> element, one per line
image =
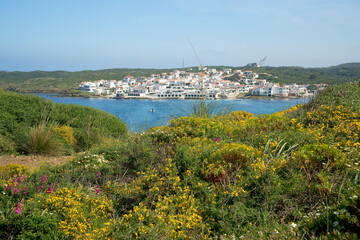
<point x="200" y="68"/>
<point x="261" y="62"/>
<point x="195" y="53"/>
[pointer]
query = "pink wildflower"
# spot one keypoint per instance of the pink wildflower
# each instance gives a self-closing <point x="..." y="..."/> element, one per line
<point x="98" y="175"/>
<point x="16" y="191"/>
<point x="217" y="140"/>
<point x="97" y="189"/>
<point x="24" y="190"/>
<point x="51" y="189"/>
<point x="44" y="178"/>
<point x="18" y="209"/>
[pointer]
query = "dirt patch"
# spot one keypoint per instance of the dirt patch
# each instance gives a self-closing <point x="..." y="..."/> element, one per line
<point x="33" y="162"/>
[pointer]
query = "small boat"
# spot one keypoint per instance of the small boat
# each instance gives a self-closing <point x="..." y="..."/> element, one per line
<point x="152" y="110"/>
<point x="119" y="96"/>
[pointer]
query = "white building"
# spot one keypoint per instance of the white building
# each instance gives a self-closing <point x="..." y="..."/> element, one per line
<point x="87" y="86"/>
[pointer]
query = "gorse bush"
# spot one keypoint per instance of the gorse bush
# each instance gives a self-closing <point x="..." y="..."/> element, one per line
<point x="67" y="133"/>
<point x="294" y="174"/>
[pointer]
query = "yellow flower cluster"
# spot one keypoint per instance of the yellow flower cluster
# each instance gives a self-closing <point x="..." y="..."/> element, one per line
<point x="83" y="216"/>
<point x="173" y="216"/>
<point x="10" y="171"/>
<point x="200" y="127"/>
<point x="335" y="124"/>
<point x="67" y="133"/>
<point x="152" y="181"/>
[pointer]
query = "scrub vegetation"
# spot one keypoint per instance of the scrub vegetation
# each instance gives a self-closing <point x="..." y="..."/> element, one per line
<point x="289" y="175"/>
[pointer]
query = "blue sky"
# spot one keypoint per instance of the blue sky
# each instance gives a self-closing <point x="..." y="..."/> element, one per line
<point x="92" y="34"/>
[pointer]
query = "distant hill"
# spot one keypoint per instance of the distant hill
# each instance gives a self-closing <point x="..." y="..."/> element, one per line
<point x="57" y="81"/>
<point x="331" y="75"/>
<point x="348" y="65"/>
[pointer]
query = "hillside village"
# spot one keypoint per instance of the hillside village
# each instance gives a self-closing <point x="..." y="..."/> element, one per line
<point x="209" y="83"/>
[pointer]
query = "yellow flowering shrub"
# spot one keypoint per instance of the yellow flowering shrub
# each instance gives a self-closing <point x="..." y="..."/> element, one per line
<point x="228" y="157"/>
<point x="82" y="216"/>
<point x="161" y="207"/>
<point x="67" y="133"/>
<point x="150" y="183"/>
<point x="168" y="217"/>
<point x="335" y="124"/>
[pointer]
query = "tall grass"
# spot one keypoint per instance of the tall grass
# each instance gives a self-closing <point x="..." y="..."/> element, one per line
<point x="203" y="108"/>
<point x="42" y="140"/>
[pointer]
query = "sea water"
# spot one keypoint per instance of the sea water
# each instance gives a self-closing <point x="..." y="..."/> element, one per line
<point x="141" y="114"/>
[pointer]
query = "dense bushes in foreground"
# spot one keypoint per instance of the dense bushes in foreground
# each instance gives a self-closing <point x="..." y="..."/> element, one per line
<point x="290" y="175"/>
<point x="31" y="124"/>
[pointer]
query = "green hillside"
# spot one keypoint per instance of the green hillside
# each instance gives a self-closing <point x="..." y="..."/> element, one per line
<point x="289" y="175"/>
<point x="330" y="75"/>
<point x="71" y="126"/>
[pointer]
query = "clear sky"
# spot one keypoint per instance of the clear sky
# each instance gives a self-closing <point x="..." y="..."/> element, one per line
<point x="77" y="35"/>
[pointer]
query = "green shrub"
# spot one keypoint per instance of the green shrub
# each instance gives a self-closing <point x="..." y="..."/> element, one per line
<point x="7" y="145"/>
<point x="317" y="157"/>
<point x="19" y="113"/>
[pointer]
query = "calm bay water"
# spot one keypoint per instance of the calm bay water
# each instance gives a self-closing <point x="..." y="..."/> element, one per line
<point x="137" y="113"/>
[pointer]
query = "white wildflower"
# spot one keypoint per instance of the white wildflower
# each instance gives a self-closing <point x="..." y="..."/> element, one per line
<point x="293" y="225"/>
<point x="354" y="197"/>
